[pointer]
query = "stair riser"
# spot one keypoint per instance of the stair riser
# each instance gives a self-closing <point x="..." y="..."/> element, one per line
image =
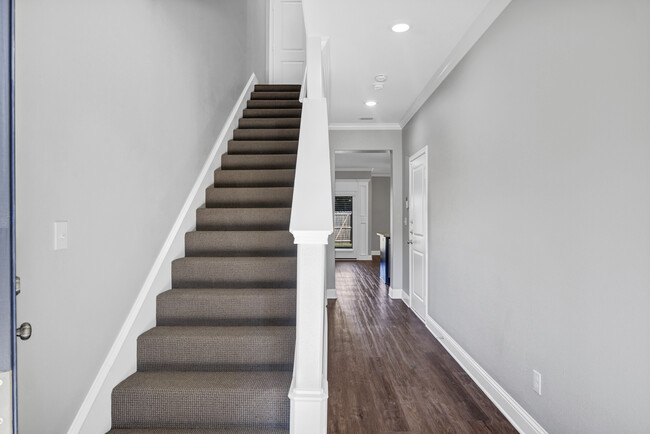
<point x="217" y="349"/>
<point x="275" y="95"/>
<point x="243" y="219"/>
<point x="229" y="273"/>
<point x="277" y="88"/>
<point x="276" y="197"/>
<point x="258" y="162"/>
<point x="273" y="104"/>
<point x="272" y="113"/>
<point x="226" y="307"/>
<point x="262" y="147"/>
<point x="203" y="409"/>
<point x="227" y="243"/>
<point x="267" y="134"/>
<point x="254" y="178"/>
<point x="267" y="123"/>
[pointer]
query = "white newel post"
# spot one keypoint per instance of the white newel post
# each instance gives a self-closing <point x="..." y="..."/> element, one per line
<point x="309" y="390"/>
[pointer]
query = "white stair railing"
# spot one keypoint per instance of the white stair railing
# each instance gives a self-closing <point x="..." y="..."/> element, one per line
<point x="311" y="224"/>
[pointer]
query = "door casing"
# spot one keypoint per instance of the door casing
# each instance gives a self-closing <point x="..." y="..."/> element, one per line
<point x="7" y="223"/>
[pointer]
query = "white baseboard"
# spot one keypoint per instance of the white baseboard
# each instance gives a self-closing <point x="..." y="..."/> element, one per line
<point x="331" y="294"/>
<point x="406" y="298"/>
<point x="375" y="253"/>
<point x="395" y="294"/>
<point x="94" y="415"/>
<point x="364" y="258"/>
<point x="515" y="413"/>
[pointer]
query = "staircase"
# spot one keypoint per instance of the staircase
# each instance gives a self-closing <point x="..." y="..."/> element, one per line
<point x="220" y="359"/>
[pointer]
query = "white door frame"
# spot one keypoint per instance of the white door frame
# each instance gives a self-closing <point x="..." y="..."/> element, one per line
<point x="359" y="190"/>
<point x="425" y="205"/>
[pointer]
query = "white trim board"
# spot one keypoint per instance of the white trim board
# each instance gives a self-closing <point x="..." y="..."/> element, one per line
<point x="473" y="34"/>
<point x="364" y="127"/>
<point x="95" y="411"/>
<point x="331" y="294"/>
<point x="375" y="253"/>
<point x="395" y="294"/>
<point x="406" y="298"/>
<point x="515" y="413"/>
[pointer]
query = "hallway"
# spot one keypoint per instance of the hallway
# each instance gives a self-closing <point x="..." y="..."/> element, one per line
<point x="388" y="374"/>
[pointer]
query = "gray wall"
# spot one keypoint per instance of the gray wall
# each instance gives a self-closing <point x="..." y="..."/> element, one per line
<point x="380" y="211"/>
<point x="353" y="174"/>
<point x="539" y="187"/>
<point x="118" y="104"/>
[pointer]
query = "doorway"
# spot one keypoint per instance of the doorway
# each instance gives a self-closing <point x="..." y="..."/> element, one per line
<point x="417" y="242"/>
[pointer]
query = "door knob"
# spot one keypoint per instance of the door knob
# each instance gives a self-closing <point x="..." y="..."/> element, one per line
<point x="24" y="332"/>
<point x="409" y="242"/>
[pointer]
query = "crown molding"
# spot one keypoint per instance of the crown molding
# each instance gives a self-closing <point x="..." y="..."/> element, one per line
<point x="473" y="34"/>
<point x="364" y="127"/>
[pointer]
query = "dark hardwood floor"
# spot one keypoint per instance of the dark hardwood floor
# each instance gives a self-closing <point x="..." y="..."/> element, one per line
<point x="388" y="374"/>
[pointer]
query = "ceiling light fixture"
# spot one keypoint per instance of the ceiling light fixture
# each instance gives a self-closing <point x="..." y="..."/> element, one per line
<point x="401" y="28"/>
<point x="371" y="103"/>
<point x="381" y="78"/>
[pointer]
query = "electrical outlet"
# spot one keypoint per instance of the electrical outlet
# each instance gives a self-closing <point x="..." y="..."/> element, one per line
<point x="537" y="382"/>
<point x="60" y="235"/>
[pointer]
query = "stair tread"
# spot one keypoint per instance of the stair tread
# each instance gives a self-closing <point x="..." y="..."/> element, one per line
<point x="231" y="380"/>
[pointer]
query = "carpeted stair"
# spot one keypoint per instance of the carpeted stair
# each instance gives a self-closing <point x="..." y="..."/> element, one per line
<point x="220" y="359"/>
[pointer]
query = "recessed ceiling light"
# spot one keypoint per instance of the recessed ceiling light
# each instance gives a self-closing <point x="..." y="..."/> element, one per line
<point x="401" y="28"/>
<point x="381" y="78"/>
<point x="378" y="86"/>
<point x="371" y="103"/>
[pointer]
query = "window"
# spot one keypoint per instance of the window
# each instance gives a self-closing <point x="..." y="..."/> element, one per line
<point x="343" y="222"/>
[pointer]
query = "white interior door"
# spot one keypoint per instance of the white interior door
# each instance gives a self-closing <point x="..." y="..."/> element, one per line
<point x="418" y="232"/>
<point x="286" y="42"/>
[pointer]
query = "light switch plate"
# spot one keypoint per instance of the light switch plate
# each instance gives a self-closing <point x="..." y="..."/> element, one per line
<point x="60" y="235"/>
<point x="537" y="382"/>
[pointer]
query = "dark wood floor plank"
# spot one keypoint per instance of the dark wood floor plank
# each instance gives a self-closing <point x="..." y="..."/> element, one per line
<point x="388" y="374"/>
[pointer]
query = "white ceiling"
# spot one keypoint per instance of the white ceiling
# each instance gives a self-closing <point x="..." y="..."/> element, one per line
<point x="377" y="162"/>
<point x="362" y="45"/>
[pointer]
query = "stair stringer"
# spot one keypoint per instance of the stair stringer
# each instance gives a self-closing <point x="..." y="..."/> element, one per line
<point x="94" y="414"/>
